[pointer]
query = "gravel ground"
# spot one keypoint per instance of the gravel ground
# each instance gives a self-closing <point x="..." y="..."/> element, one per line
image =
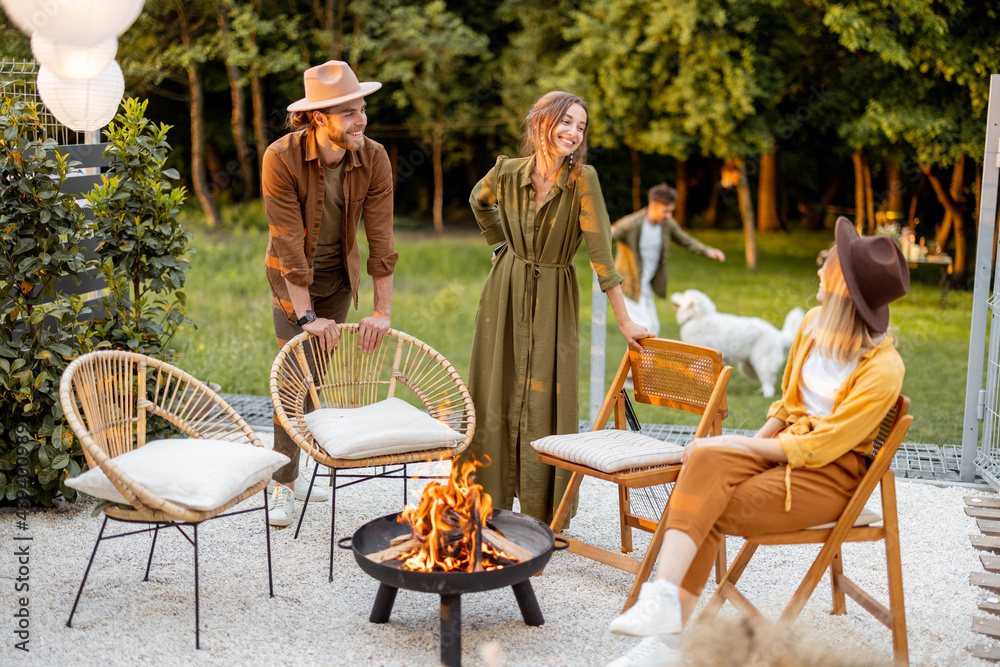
<point x="122" y="620"/>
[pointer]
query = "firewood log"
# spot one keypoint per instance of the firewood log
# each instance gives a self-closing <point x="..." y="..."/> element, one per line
<point x="395" y="551"/>
<point x="512" y="549"/>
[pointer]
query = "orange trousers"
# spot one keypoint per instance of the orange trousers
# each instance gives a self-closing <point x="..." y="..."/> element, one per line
<point x="726" y="491"/>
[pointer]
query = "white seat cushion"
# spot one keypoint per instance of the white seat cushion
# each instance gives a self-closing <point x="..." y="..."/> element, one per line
<point x="866" y="518"/>
<point x="194" y="473"/>
<point x="387" y="427"/>
<point x="610" y="450"/>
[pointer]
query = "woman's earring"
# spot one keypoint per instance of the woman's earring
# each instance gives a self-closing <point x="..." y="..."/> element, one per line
<point x="572" y="158"/>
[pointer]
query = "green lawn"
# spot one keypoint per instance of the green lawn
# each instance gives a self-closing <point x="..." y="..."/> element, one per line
<point x="438" y="281"/>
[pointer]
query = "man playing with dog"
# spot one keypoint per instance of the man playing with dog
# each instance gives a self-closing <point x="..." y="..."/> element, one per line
<point x="643" y="250"/>
<point x="316" y="182"/>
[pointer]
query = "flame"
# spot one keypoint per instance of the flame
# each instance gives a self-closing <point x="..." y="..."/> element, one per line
<point x="448" y="522"/>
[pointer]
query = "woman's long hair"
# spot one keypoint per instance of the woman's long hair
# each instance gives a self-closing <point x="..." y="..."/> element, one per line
<point x="839" y="331"/>
<point x="545" y="114"/>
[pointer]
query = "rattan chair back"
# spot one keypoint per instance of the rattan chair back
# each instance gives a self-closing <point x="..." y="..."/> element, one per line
<point x="678" y="375"/>
<point x="401" y="367"/>
<point x="107" y="397"/>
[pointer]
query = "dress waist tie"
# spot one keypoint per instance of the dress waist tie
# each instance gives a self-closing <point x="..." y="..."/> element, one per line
<point x="530" y="289"/>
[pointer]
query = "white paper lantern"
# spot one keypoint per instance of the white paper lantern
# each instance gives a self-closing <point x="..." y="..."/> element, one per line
<point x="79" y="22"/>
<point x="83" y="105"/>
<point x="68" y="61"/>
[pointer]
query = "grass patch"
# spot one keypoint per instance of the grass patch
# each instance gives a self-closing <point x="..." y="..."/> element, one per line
<point x="438" y="282"/>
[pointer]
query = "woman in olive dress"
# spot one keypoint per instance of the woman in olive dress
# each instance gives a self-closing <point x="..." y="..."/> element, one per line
<point x="524" y="373"/>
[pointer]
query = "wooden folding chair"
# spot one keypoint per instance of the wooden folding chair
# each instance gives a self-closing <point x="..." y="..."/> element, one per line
<point x="852" y="526"/>
<point x="666" y="373"/>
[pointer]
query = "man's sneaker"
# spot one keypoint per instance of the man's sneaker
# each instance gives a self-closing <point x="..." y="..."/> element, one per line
<point x="656" y="612"/>
<point x="320" y="491"/>
<point x="280" y="505"/>
<point x="650" y="652"/>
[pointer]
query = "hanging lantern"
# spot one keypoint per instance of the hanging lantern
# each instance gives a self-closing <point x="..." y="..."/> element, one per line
<point x="79" y="22"/>
<point x="68" y="61"/>
<point x="83" y="106"/>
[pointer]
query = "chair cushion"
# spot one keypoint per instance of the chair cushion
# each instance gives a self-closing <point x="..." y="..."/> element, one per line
<point x="387" y="427"/>
<point x="199" y="474"/>
<point x="610" y="450"/>
<point x="866" y="518"/>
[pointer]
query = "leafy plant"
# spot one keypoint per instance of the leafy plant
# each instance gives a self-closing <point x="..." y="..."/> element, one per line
<point x="142" y="244"/>
<point x="140" y="252"/>
<point x="40" y="329"/>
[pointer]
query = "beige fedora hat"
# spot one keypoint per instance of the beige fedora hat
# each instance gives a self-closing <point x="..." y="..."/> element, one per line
<point x="330" y="84"/>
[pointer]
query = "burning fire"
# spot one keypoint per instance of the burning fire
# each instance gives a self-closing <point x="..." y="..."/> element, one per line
<point x="448" y="527"/>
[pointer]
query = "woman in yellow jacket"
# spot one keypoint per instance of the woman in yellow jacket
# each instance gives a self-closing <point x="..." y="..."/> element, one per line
<point x="801" y="468"/>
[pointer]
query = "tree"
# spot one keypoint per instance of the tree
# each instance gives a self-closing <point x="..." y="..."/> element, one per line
<point x="171" y="40"/>
<point x="260" y="42"/>
<point x="432" y="55"/>
<point x="934" y="103"/>
<point x="671" y="78"/>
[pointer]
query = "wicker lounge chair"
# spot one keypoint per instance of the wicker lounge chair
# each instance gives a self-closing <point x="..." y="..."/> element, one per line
<point x="302" y="376"/>
<point x="110" y="398"/>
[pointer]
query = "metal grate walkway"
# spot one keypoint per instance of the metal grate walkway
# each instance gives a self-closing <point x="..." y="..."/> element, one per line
<point x="940" y="463"/>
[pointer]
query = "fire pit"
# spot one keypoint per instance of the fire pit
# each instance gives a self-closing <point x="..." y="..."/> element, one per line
<point x="525" y="531"/>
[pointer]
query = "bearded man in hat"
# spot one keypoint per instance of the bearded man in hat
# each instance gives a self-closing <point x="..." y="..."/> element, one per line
<point x="316" y="182"/>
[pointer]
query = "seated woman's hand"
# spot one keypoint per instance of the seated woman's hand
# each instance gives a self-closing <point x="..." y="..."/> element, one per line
<point x="716" y="441"/>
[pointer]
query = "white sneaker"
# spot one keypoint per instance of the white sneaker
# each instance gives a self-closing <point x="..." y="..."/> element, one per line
<point x="650" y="652"/>
<point x="320" y="491"/>
<point x="280" y="505"/>
<point x="656" y="612"/>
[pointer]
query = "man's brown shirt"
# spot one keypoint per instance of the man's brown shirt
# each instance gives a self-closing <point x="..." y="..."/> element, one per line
<point x="293" y="188"/>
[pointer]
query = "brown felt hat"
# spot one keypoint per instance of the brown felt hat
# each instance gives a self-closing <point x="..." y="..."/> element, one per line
<point x="329" y="84"/>
<point x="875" y="272"/>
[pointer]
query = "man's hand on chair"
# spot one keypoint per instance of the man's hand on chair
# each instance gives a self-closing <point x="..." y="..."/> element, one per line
<point x="371" y="329"/>
<point x="327" y="331"/>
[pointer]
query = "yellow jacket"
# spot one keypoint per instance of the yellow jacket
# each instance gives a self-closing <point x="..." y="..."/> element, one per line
<point x="858" y="408"/>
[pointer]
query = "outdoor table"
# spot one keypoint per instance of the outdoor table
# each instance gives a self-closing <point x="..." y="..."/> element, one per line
<point x="944" y="263"/>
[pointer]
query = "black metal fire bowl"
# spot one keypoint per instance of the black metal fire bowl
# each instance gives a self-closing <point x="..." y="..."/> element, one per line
<point x="528" y="532"/>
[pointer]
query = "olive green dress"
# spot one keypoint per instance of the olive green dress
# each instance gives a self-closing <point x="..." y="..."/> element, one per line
<point x="524" y="375"/>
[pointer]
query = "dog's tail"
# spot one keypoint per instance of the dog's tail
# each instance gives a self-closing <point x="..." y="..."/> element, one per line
<point x="793" y="320"/>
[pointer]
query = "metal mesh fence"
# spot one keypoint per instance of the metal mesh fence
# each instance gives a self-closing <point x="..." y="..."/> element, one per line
<point x="988" y="459"/>
<point x="17" y="79"/>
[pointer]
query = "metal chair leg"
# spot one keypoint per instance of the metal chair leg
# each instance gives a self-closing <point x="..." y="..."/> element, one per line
<point x="333" y="518"/>
<point x="305" y="503"/>
<point x="197" y="618"/>
<point x="267" y="533"/>
<point x="149" y="563"/>
<point x="86" y="573"/>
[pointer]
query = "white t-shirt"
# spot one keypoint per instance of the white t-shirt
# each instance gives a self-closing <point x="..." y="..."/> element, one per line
<point x="650" y="245"/>
<point x="820" y="381"/>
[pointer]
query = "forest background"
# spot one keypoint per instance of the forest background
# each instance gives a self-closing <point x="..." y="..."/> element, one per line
<point x="766" y="114"/>
<point x="771" y="117"/>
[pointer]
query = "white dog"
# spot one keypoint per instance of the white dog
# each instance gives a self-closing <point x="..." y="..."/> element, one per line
<point x="754" y="345"/>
